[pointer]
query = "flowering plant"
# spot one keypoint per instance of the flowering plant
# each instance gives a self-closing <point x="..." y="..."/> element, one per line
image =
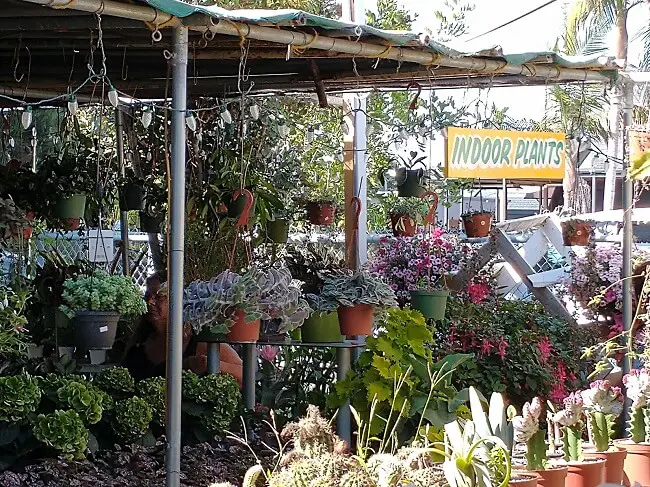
<point x="13" y="339"/>
<point x="570" y="418"/>
<point x="418" y="262"/>
<point x="603" y="404"/>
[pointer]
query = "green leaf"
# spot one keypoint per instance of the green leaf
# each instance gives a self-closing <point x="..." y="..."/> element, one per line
<point x="383" y="366"/>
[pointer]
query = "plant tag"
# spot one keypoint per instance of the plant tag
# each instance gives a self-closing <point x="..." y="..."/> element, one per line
<point x="103" y="329"/>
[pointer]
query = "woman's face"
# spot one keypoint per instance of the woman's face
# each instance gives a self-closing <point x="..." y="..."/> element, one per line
<point x="157" y="312"/>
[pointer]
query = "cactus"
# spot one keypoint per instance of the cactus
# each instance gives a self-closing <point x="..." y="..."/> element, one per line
<point x="312" y="435"/>
<point x="603" y="404"/>
<point x="526" y="430"/>
<point x="536" y="451"/>
<point x="570" y="418"/>
<point x="253" y="473"/>
<point x="387" y="469"/>
<point x="299" y="474"/>
<point x="573" y="443"/>
<point x="358" y="479"/>
<point x="637" y="425"/>
<point x="223" y="484"/>
<point x="334" y="466"/>
<point x="602" y="429"/>
<point x="426" y="477"/>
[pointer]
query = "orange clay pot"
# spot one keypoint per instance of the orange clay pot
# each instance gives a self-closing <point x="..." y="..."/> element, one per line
<point x="614" y="461"/>
<point x="243" y="331"/>
<point x="356" y="320"/>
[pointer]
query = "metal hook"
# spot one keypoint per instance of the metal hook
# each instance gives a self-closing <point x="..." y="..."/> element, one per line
<point x="17" y="63"/>
<point x="167" y="54"/>
<point x="156" y="35"/>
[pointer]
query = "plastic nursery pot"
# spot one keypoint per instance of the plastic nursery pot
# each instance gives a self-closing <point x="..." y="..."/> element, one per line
<point x="409" y="182"/>
<point x="95" y="330"/>
<point x="71" y="207"/>
<point x="34" y="351"/>
<point x="552" y="477"/>
<point x="243" y="331"/>
<point x="478" y="225"/>
<point x="614" y="461"/>
<point x="432" y="304"/>
<point x="590" y="473"/>
<point x="277" y="231"/>
<point x="149" y="224"/>
<point x="523" y="479"/>
<point x="320" y="213"/>
<point x="356" y="320"/>
<point x="132" y="197"/>
<point x="636" y="467"/>
<point x="576" y="233"/>
<point x="321" y="328"/>
<point x="402" y="225"/>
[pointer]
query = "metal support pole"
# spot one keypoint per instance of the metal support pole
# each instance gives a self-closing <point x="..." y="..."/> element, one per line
<point x="593" y="191"/>
<point x="503" y="206"/>
<point x="214" y="358"/>
<point x="628" y="190"/>
<point x="124" y="215"/>
<point x="343" y="420"/>
<point x="360" y="178"/>
<point x="176" y="257"/>
<point x="250" y="370"/>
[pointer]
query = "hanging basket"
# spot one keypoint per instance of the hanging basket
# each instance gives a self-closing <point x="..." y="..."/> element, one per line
<point x="356" y="320"/>
<point x="477" y="224"/>
<point x="238" y="203"/>
<point x="575" y="233"/>
<point x="321" y="328"/>
<point x="321" y="213"/>
<point x="95" y="330"/>
<point x="409" y="182"/>
<point x="432" y="304"/>
<point x="243" y="331"/>
<point x="150" y="224"/>
<point x="402" y="225"/>
<point x="277" y="231"/>
<point x="132" y="197"/>
<point x="71" y="207"/>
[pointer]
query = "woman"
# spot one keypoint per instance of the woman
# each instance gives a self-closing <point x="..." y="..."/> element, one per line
<point x="147" y="353"/>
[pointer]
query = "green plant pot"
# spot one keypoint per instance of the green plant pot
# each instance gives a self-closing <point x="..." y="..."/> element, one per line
<point x="95" y="330"/>
<point x="132" y="197"/>
<point x="409" y="182"/>
<point x="321" y="328"/>
<point x="277" y="231"/>
<point x="432" y="304"/>
<point x="72" y="207"/>
<point x="149" y="224"/>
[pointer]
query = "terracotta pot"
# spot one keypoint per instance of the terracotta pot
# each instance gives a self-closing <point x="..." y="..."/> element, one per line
<point x="589" y="473"/>
<point x="243" y="331"/>
<point x="576" y="233"/>
<point x="636" y="467"/>
<point x="320" y="213"/>
<point x="613" y="463"/>
<point x="478" y="225"/>
<point x="523" y="479"/>
<point x="356" y="320"/>
<point x="552" y="477"/>
<point x="402" y="225"/>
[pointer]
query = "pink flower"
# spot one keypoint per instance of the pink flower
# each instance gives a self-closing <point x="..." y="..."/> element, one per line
<point x="558" y="393"/>
<point x="268" y="353"/>
<point x="486" y="347"/>
<point x="503" y="345"/>
<point x="477" y="292"/>
<point x="545" y="348"/>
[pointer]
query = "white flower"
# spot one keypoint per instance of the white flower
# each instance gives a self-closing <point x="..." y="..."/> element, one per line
<point x="527" y="424"/>
<point x="571" y="415"/>
<point x="601" y="397"/>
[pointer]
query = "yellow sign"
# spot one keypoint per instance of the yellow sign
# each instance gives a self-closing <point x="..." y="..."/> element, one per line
<point x="502" y="154"/>
<point x="639" y="143"/>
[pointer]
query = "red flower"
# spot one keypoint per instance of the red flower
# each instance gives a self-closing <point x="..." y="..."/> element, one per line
<point x="478" y="292"/>
<point x="503" y="345"/>
<point x="545" y="349"/>
<point x="486" y="347"/>
<point x="558" y="393"/>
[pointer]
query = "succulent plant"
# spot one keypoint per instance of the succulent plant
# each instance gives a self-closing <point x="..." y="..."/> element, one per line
<point x="82" y="399"/>
<point x="220" y="393"/>
<point x="131" y="418"/>
<point x="348" y="288"/>
<point x="64" y="431"/>
<point x="312" y="263"/>
<point x="637" y="385"/>
<point x="115" y="381"/>
<point x="20" y="396"/>
<point x="526" y="429"/>
<point x="153" y="391"/>
<point x="603" y="404"/>
<point x="570" y="418"/>
<point x="267" y="295"/>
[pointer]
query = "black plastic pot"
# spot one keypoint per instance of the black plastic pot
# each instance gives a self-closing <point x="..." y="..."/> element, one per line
<point x="95" y="330"/>
<point x="150" y="224"/>
<point x="132" y="197"/>
<point x="270" y="333"/>
<point x="409" y="182"/>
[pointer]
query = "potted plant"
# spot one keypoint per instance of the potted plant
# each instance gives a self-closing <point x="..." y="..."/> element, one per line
<point x="97" y="302"/>
<point x="321" y="211"/>
<point x="322" y="326"/>
<point x="153" y="215"/>
<point x="277" y="227"/>
<point x="577" y="232"/>
<point x="132" y="192"/>
<point x="528" y="432"/>
<point x="357" y="295"/>
<point x="637" y="461"/>
<point x="581" y="472"/>
<point x="233" y="305"/>
<point x="477" y="223"/>
<point x="408" y="178"/>
<point x="603" y="404"/>
<point x="406" y="214"/>
<point x="13" y="339"/>
<point x="14" y="222"/>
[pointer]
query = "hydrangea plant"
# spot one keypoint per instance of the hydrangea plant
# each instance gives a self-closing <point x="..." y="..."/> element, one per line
<point x="115" y="380"/>
<point x="64" y="431"/>
<point x="153" y="391"/>
<point x="131" y="418"/>
<point x="603" y="404"/>
<point x="216" y="399"/>
<point x="102" y="292"/>
<point x="82" y="399"/>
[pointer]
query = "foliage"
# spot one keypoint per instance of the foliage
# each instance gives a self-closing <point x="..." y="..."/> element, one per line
<point x="520" y="350"/>
<point x="419" y="262"/>
<point x="115" y="381"/>
<point x="84" y="400"/>
<point x="21" y="396"/>
<point x="416" y="208"/>
<point x="153" y="390"/>
<point x="348" y="288"/>
<point x="312" y="263"/>
<point x="267" y="295"/>
<point x="102" y="292"/>
<point x="13" y="220"/>
<point x="64" y="431"/>
<point x="131" y="418"/>
<point x="13" y="338"/>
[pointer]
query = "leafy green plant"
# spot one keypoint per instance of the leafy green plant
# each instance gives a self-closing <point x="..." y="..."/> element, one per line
<point x="13" y="220"/>
<point x="131" y="418"/>
<point x="82" y="399"/>
<point x="312" y="263"/>
<point x="13" y="320"/>
<point x="416" y="208"/>
<point x="153" y="391"/>
<point x="101" y="292"/>
<point x="20" y="396"/>
<point x="348" y="288"/>
<point x="64" y="431"/>
<point x="116" y="381"/>
<point x="603" y="404"/>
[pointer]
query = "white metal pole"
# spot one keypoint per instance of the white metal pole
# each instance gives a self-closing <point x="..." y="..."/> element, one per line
<point x="176" y="257"/>
<point x="360" y="177"/>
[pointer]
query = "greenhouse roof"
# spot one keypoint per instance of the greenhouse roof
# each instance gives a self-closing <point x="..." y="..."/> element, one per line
<point x="46" y="46"/>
